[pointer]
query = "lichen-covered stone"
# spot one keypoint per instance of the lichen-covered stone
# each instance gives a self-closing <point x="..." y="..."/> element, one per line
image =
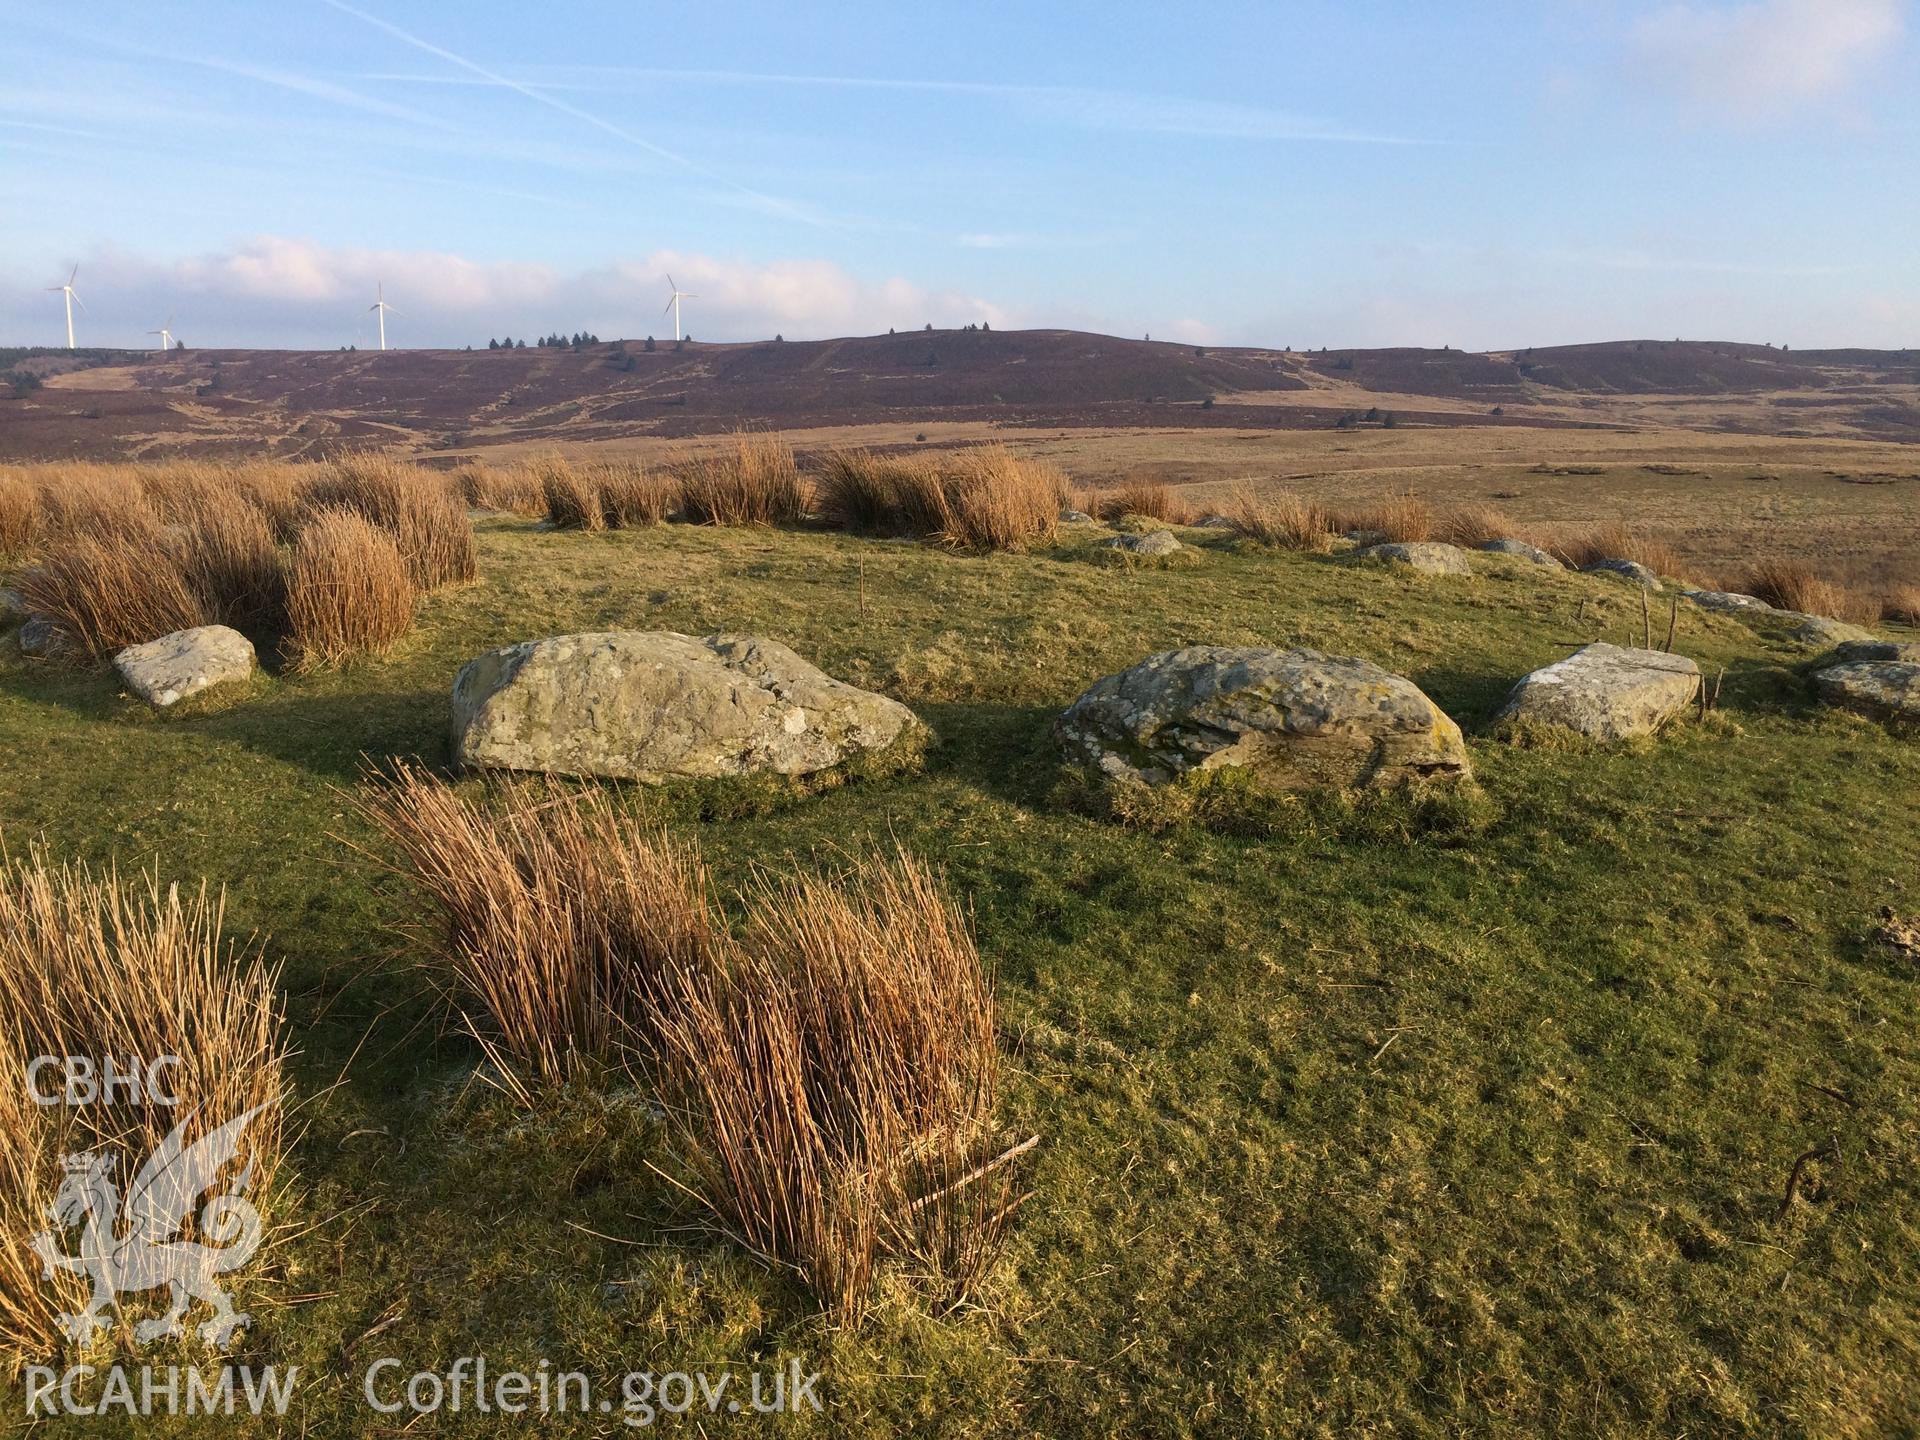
<point x="166" y="671"/>
<point x="1296" y="719"/>
<point x="1425" y="556"/>
<point x="1889" y="689"/>
<point x="1627" y="570"/>
<point x="1153" y="543"/>
<point x="1727" y="600"/>
<point x="655" y="706"/>
<point x="1608" y="692"/>
<point x="1524" y="551"/>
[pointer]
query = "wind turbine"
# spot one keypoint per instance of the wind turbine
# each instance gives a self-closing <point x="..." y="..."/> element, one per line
<point x="165" y="332"/>
<point x="380" y="307"/>
<point x="674" y="304"/>
<point x="72" y="300"/>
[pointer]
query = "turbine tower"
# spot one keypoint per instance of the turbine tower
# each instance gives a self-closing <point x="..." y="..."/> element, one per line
<point x="72" y="300"/>
<point x="165" y="332"/>
<point x="674" y="304"/>
<point x="380" y="308"/>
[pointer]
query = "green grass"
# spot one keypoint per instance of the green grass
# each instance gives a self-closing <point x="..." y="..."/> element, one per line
<point x="1342" y="1134"/>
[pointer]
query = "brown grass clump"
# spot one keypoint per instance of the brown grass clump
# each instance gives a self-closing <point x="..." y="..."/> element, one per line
<point x="979" y="499"/>
<point x="559" y="919"/>
<point x="754" y="481"/>
<point x="1789" y="585"/>
<point x="1148" y="499"/>
<point x="99" y="500"/>
<point x="1617" y="540"/>
<point x="19" y="514"/>
<point x="632" y="497"/>
<point x="226" y="551"/>
<point x="348" y="590"/>
<point x="507" y="489"/>
<point x="1399" y="520"/>
<point x="835" y="1082"/>
<point x="106" y="591"/>
<point x="1902" y="603"/>
<point x="89" y="967"/>
<point x="1472" y="526"/>
<point x="1278" y="517"/>
<point x="421" y="510"/>
<point x="571" y="498"/>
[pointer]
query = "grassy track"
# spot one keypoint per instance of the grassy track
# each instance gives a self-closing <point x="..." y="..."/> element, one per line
<point x="1343" y="1133"/>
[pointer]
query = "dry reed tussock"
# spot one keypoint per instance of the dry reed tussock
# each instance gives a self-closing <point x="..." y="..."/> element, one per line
<point x="835" y="1083"/>
<point x="1472" y="526"/>
<point x="1278" y="517"/>
<point x="1398" y="520"/>
<point x="1616" y="540"/>
<point x="830" y="1065"/>
<point x="226" y="551"/>
<point x="19" y="514"/>
<point x="556" y="919"/>
<point x="349" y="591"/>
<point x="506" y="489"/>
<point x="569" y="495"/>
<point x="420" y="509"/>
<point x="1902" y="603"/>
<point x="1148" y="499"/>
<point x="1790" y="585"/>
<point x="979" y="499"/>
<point x="91" y="967"/>
<point x="632" y="496"/>
<point x="105" y="591"/>
<point x="753" y="481"/>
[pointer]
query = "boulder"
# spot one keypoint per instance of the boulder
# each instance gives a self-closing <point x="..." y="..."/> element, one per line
<point x="166" y="671"/>
<point x="13" y="607"/>
<point x="1857" y="651"/>
<point x="1295" y="718"/>
<point x="1889" y="689"/>
<point x="1524" y="551"/>
<point x="1726" y="600"/>
<point x="1425" y="556"/>
<point x="653" y="705"/>
<point x="1818" y="630"/>
<point x="1606" y="691"/>
<point x="1075" y="517"/>
<point x="1627" y="570"/>
<point x="1153" y="542"/>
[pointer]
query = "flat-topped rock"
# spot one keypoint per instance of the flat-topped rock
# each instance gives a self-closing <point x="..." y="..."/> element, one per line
<point x="1726" y="600"/>
<point x="1627" y="570"/>
<point x="1855" y="652"/>
<point x="1428" y="557"/>
<point x="1819" y="631"/>
<point x="1075" y="517"/>
<point x="1213" y="522"/>
<point x="1153" y="542"/>
<point x="655" y="705"/>
<point x="1888" y="689"/>
<point x="1524" y="551"/>
<point x="1297" y="719"/>
<point x="1608" y="692"/>
<point x="166" y="671"/>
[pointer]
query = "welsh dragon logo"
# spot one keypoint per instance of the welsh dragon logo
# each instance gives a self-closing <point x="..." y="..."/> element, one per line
<point x="134" y="1246"/>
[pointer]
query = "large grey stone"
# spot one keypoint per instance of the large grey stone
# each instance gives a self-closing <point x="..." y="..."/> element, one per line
<point x="1524" y="551"/>
<point x="12" y="607"/>
<point x="1886" y="688"/>
<point x="1727" y="600"/>
<point x="1154" y="542"/>
<point x="1627" y="570"/>
<point x="654" y="705"/>
<point x="1606" y="691"/>
<point x="1296" y="718"/>
<point x="1858" y="651"/>
<point x="166" y="671"/>
<point x="1819" y="631"/>
<point x="1428" y="557"/>
<point x="40" y="637"/>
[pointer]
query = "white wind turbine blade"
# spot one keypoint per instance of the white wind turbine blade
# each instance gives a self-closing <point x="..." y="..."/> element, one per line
<point x="76" y="297"/>
<point x="666" y="307"/>
<point x="75" y="275"/>
<point x="670" y="284"/>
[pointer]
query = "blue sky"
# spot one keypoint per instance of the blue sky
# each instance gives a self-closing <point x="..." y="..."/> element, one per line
<point x="1480" y="175"/>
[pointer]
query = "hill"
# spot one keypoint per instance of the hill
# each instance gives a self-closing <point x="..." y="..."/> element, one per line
<point x="302" y="403"/>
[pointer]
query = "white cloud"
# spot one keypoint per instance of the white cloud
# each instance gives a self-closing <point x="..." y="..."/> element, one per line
<point x="1766" y="57"/>
<point x="280" y="291"/>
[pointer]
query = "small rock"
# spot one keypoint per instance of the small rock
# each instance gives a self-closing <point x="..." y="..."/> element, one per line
<point x="1627" y="569"/>
<point x="654" y="706"/>
<point x="1427" y="557"/>
<point x="1213" y="522"/>
<point x="1075" y="517"/>
<point x="1726" y="600"/>
<point x="166" y="671"/>
<point x="1606" y="691"/>
<point x="1154" y="542"/>
<point x="1296" y="718"/>
<point x="1524" y="551"/>
<point x="1819" y="631"/>
<point x="13" y="607"/>
<point x="1887" y="689"/>
<point x="1365" y="537"/>
<point x="40" y="637"/>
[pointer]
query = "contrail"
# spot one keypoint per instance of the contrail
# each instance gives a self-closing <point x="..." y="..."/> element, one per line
<point x="541" y="97"/>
